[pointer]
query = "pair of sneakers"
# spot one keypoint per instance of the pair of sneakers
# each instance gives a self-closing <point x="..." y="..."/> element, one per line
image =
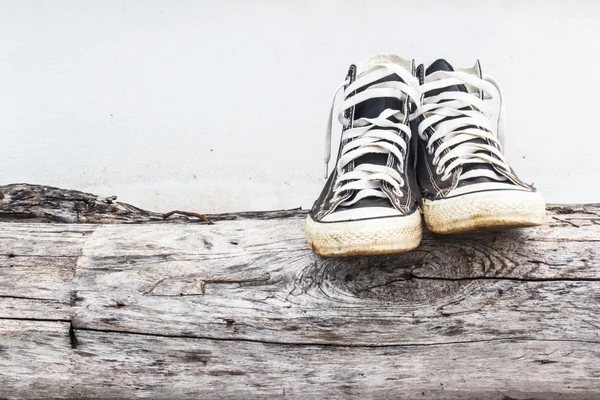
<point x="416" y="138"/>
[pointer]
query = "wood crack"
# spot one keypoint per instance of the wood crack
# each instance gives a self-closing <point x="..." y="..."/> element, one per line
<point x="503" y="278"/>
<point x="35" y="319"/>
<point x="337" y="345"/>
<point x="13" y="255"/>
<point x="6" y="296"/>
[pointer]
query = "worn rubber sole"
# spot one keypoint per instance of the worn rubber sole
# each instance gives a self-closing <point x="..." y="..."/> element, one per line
<point x="364" y="237"/>
<point x="495" y="209"/>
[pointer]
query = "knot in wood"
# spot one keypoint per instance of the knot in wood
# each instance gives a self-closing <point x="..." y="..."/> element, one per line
<point x="388" y="279"/>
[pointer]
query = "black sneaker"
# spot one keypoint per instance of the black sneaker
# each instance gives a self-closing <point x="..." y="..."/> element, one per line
<point x="369" y="203"/>
<point x="465" y="179"/>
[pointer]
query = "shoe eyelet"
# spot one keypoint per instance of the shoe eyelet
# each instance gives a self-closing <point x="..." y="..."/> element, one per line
<point x="398" y="193"/>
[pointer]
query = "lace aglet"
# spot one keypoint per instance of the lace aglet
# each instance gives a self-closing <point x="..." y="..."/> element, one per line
<point x="326" y="169"/>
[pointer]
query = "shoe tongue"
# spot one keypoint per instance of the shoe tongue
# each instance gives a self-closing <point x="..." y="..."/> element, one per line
<point x="373" y="107"/>
<point x="364" y="65"/>
<point x="442" y="65"/>
<point x="439" y="65"/>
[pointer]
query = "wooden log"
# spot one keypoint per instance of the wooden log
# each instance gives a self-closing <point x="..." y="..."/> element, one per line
<point x="242" y="308"/>
<point x="112" y="365"/>
<point x="37" y="203"/>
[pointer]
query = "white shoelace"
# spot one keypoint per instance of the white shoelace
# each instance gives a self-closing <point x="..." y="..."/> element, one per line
<point x="471" y="120"/>
<point x="365" y="135"/>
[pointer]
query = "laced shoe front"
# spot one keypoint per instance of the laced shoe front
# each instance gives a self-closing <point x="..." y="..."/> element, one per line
<point x="466" y="181"/>
<point x="369" y="202"/>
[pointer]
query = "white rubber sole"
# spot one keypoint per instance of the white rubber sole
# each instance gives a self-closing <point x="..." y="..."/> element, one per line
<point x="495" y="209"/>
<point x="364" y="237"/>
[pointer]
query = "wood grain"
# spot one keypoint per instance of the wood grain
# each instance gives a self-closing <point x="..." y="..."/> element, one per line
<point x="242" y="308"/>
<point x="115" y="366"/>
<point x="276" y="290"/>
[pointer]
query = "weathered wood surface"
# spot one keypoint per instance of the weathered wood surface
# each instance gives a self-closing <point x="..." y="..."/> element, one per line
<point x="37" y="203"/>
<point x="243" y="309"/>
<point x="114" y="365"/>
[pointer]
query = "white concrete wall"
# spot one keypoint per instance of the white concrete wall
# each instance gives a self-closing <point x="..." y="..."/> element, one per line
<point x="221" y="105"/>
